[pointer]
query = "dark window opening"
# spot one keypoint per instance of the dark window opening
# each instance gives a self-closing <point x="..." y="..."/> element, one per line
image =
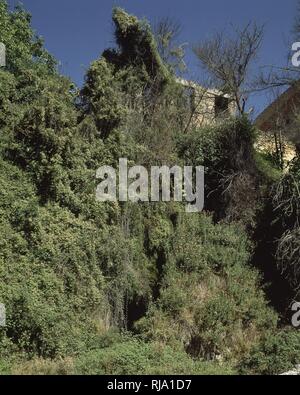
<point x="221" y="106"/>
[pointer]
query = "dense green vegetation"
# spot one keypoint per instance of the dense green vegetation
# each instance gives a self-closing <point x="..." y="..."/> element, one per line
<point x="123" y="288"/>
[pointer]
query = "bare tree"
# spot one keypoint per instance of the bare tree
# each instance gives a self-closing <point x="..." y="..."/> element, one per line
<point x="227" y="61"/>
<point x="167" y="32"/>
<point x="285" y="75"/>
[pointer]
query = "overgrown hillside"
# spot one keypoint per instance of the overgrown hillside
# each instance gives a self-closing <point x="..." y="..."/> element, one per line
<point x="129" y="288"/>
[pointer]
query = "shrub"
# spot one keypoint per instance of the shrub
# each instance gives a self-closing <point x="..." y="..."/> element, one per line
<point x="226" y="150"/>
<point x="210" y="301"/>
<point x="286" y="217"/>
<point x="137" y="357"/>
<point x="275" y="354"/>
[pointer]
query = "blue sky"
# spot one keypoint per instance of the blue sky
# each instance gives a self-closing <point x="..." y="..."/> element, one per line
<point x="77" y="31"/>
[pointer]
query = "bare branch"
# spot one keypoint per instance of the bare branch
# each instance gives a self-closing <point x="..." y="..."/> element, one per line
<point x="228" y="60"/>
<point x="167" y="32"/>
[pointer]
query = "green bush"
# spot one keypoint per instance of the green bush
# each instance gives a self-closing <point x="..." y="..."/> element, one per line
<point x="277" y="353"/>
<point x="232" y="178"/>
<point x="137" y="357"/>
<point x="210" y="301"/>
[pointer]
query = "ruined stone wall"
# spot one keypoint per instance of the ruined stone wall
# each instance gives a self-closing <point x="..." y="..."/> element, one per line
<point x="204" y="104"/>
